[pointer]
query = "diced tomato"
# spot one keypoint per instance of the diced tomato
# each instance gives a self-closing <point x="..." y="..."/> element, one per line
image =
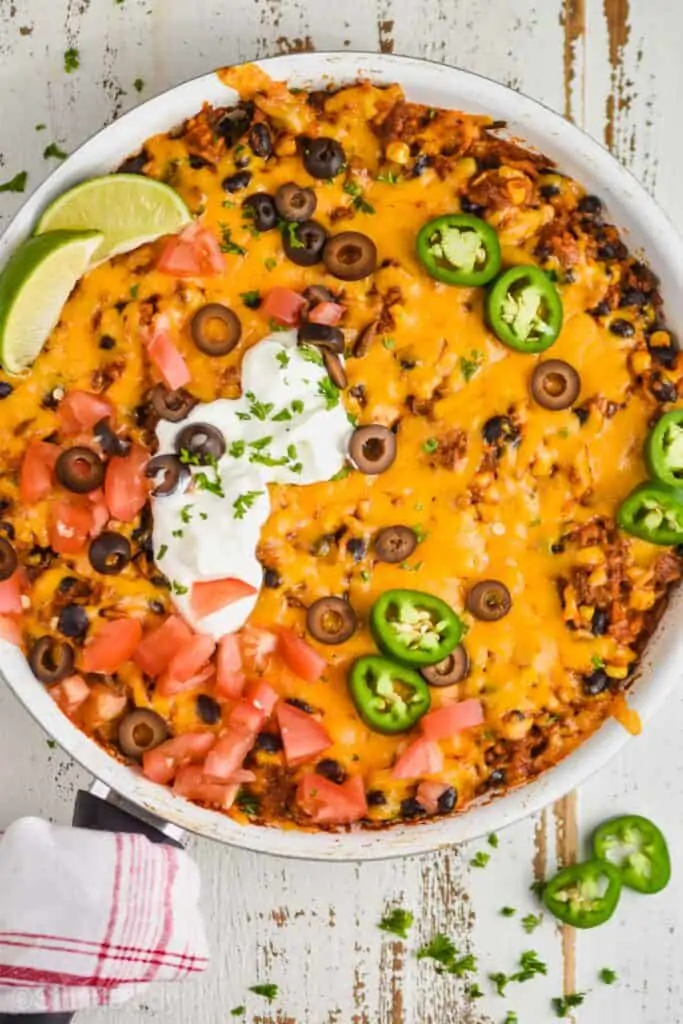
<point x="9" y="629"/>
<point x="10" y="594"/>
<point x="303" y="736"/>
<point x="168" y="686"/>
<point x="37" y="471"/>
<point x="191" y="783"/>
<point x="191" y="656"/>
<point x="227" y="757"/>
<point x="210" y="595"/>
<point x="262" y="696"/>
<point x="195" y="252"/>
<point x="156" y="649"/>
<point x="230" y="677"/>
<point x="446" y="722"/>
<point x="423" y="757"/>
<point x="330" y="804"/>
<point x="113" y="645"/>
<point x="327" y="313"/>
<point x="246" y="719"/>
<point x="104" y="704"/>
<point x="257" y="645"/>
<point x="70" y="693"/>
<point x="283" y="305"/>
<point x="243" y="775"/>
<point x="300" y="657"/>
<point x="71" y="521"/>
<point x="161" y="763"/>
<point x="99" y="512"/>
<point x="125" y="485"/>
<point x="428" y="794"/>
<point x="165" y="355"/>
<point x="81" y="410"/>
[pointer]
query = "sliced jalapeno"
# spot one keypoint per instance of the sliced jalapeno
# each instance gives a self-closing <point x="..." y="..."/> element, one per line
<point x="416" y="628"/>
<point x="584" y="895"/>
<point x="390" y="698"/>
<point x="459" y="248"/>
<point x="664" y="448"/>
<point x="524" y="309"/>
<point x="637" y="848"/>
<point x="654" y="512"/>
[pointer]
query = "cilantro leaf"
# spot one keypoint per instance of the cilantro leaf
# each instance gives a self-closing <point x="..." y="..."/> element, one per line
<point x="493" y="840"/>
<point x="430" y="445"/>
<point x="268" y="991"/>
<point x="531" y="922"/>
<point x="311" y="354"/>
<point x="260" y="410"/>
<point x="283" y="359"/>
<point x="15" y="184"/>
<point x="186" y="513"/>
<point x="162" y="551"/>
<point x="480" y="859"/>
<point x="563" y="1004"/>
<point x="227" y="244"/>
<point x="244" y="502"/>
<point x="138" y="85"/>
<point x="329" y="391"/>
<point x="54" y="150"/>
<point x="530" y="965"/>
<point x="178" y="588"/>
<point x="252" y="300"/>
<point x="608" y="976"/>
<point x="72" y="60"/>
<point x="238" y="1011"/>
<point x="237" y="449"/>
<point x="342" y="474"/>
<point x="508" y="911"/>
<point x="352" y="188"/>
<point x="468" y="367"/>
<point x="440" y="948"/>
<point x="500" y="982"/>
<point x="397" y="922"/>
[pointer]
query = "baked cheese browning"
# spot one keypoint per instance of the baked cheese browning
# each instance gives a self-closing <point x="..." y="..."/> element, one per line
<point x="494" y="485"/>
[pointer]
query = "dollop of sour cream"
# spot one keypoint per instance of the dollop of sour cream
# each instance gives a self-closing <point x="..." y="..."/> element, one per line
<point x="288" y="427"/>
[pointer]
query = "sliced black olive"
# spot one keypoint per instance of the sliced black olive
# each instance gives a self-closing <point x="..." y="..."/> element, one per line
<point x="134" y="164"/>
<point x="489" y="600"/>
<point x="215" y="329"/>
<point x="304" y="243"/>
<point x="260" y="140"/>
<point x="107" y="343"/>
<point x="350" y="255"/>
<point x="6" y="389"/>
<point x="447" y="800"/>
<point x="293" y="202"/>
<point x="51" y="659"/>
<point x="8" y="559"/>
<point x="202" y="441"/>
<point x="555" y="384"/>
<point x="591" y="205"/>
<point x="372" y="448"/>
<point x="80" y="470"/>
<point x="356" y="548"/>
<point x="331" y="620"/>
<point x="173" y="406"/>
<point x="73" y="621"/>
<point x="599" y="622"/>
<point x="317" y="293"/>
<point x="451" y="670"/>
<point x="272" y="579"/>
<point x="597" y="682"/>
<point x="236" y="182"/>
<point x="323" y="158"/>
<point x="109" y="553"/>
<point x="169" y="473"/>
<point x="412" y="808"/>
<point x="323" y="336"/>
<point x="395" y="543"/>
<point x="376" y="798"/>
<point x="331" y="769"/>
<point x="335" y="369"/>
<point x="208" y="709"/>
<point x="141" y="730"/>
<point x="260" y="209"/>
<point x="108" y="440"/>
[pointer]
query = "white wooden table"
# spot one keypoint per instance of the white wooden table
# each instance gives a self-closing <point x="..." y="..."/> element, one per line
<point x="614" y="67"/>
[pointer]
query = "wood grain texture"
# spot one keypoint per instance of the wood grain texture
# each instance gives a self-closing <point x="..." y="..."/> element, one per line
<point x="613" y="67"/>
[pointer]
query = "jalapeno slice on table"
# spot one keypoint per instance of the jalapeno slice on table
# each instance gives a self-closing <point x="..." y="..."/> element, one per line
<point x="390" y="698"/>
<point x="654" y="512"/>
<point x="413" y="627"/>
<point x="584" y="895"/>
<point x="664" y="449"/>
<point x="459" y="248"/>
<point x="637" y="849"/>
<point x="524" y="309"/>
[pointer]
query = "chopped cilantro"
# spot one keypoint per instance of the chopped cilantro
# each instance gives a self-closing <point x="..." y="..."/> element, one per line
<point x="282" y="416"/>
<point x="268" y="991"/>
<point x="267" y="460"/>
<point x="564" y="433"/>
<point x="227" y="244"/>
<point x="430" y="445"/>
<point x="297" y="467"/>
<point x="40" y="127"/>
<point x="297" y="406"/>
<point x="397" y="922"/>
<point x="468" y="367"/>
<point x="389" y="343"/>
<point x="511" y="1018"/>
<point x="252" y="300"/>
<point x="442" y="950"/>
<point x="243" y="415"/>
<point x="261" y="443"/>
<point x="275" y="325"/>
<point x="212" y="486"/>
<point x="608" y="976"/>
<point x="537" y="887"/>
<point x="248" y="802"/>
<point x="531" y="922"/>
<point x="162" y="551"/>
<point x="260" y="410"/>
<point x="238" y="1011"/>
<point x="329" y="391"/>
<point x="530" y="965"/>
<point x="203" y="515"/>
<point x="15" y="184"/>
<point x="138" y="85"/>
<point x="72" y="60"/>
<point x="177" y="533"/>
<point x="311" y="355"/>
<point x="365" y="575"/>
<point x="352" y="188"/>
<point x="244" y="502"/>
<point x="342" y="474"/>
<point x="563" y="1004"/>
<point x="292" y="452"/>
<point x="134" y="289"/>
<point x="228" y="204"/>
<point x="500" y="982"/>
<point x="178" y="588"/>
<point x="480" y="859"/>
<point x="388" y="177"/>
<point x="237" y="449"/>
<point x="493" y="840"/>
<point x="54" y="150"/>
<point x="290" y="229"/>
<point x="283" y="359"/>
<point x="188" y="459"/>
<point x="419" y="507"/>
<point x="597" y="661"/>
<point x="270" y="263"/>
<point x="508" y="911"/>
<point x="411" y="568"/>
<point x="186" y="513"/>
<point x="352" y="418"/>
<point x="51" y="744"/>
<point x="474" y="992"/>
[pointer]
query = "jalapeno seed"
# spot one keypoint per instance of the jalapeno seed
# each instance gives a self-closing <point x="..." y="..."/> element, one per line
<point x="331" y="620"/>
<point x="8" y="559"/>
<point x="51" y="659"/>
<point x="141" y="730"/>
<point x="295" y="203"/>
<point x="395" y="543"/>
<point x="452" y="669"/>
<point x="80" y="470"/>
<point x="172" y="406"/>
<point x="372" y="448"/>
<point x="322" y="336"/>
<point x="109" y="553"/>
<point x="169" y="473"/>
<point x="489" y="600"/>
<point x="555" y="384"/>
<point x="215" y="329"/>
<point x="202" y="441"/>
<point x="260" y="209"/>
<point x="304" y="243"/>
<point x="350" y="255"/>
<point x="323" y="158"/>
<point x="335" y="369"/>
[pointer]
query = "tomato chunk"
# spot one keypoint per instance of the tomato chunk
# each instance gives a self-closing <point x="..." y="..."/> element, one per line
<point x="156" y="649"/>
<point x="227" y="757"/>
<point x="161" y="763"/>
<point x="81" y="410"/>
<point x="428" y="795"/>
<point x="230" y="678"/>
<point x="191" y="783"/>
<point x="191" y="656"/>
<point x="423" y="757"/>
<point x="71" y="523"/>
<point x="195" y="252"/>
<point x="125" y="485"/>
<point x="263" y="697"/>
<point x="10" y="595"/>
<point x="283" y="305"/>
<point x="112" y="646"/>
<point x="210" y="595"/>
<point x="70" y="693"/>
<point x="330" y="804"/>
<point x="36" y="479"/>
<point x="167" y="358"/>
<point x="446" y="722"/>
<point x="9" y="629"/>
<point x="326" y="313"/>
<point x="257" y="645"/>
<point x="303" y="736"/>
<point x="300" y="657"/>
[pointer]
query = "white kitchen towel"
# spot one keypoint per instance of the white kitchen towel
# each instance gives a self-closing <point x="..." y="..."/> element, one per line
<point x="89" y="918"/>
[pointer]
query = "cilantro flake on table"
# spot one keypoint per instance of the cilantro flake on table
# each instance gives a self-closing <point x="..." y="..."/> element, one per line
<point x="398" y="922"/>
<point x="442" y="949"/>
<point x="608" y="976"/>
<point x="15" y="184"/>
<point x="493" y="840"/>
<point x="563" y="1004"/>
<point x="531" y="922"/>
<point x="267" y="990"/>
<point x="511" y="1018"/>
<point x="508" y="911"/>
<point x="480" y="859"/>
<point x="138" y="84"/>
<point x="53" y="150"/>
<point x="238" y="1011"/>
<point x="72" y="60"/>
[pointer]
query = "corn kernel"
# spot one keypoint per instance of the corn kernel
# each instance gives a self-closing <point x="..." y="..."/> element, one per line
<point x="598" y="578"/>
<point x="286" y="146"/>
<point x="517" y="192"/>
<point x="483" y="480"/>
<point x="660" y="339"/>
<point x="641" y="600"/>
<point x="616" y="671"/>
<point x="640" y="361"/>
<point x="398" y="152"/>
<point x="586" y="612"/>
<point x="466" y="167"/>
<point x="590" y="556"/>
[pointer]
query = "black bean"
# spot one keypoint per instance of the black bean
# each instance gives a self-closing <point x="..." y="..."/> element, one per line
<point x="234" y="123"/>
<point x="52" y="399"/>
<point x="236" y="182"/>
<point x="107" y="342"/>
<point x="156" y="607"/>
<point x="269" y="742"/>
<point x="665" y="355"/>
<point x="601" y="309"/>
<point x="548" y="191"/>
<point x="198" y="162"/>
<point x="300" y="704"/>
<point x="5" y="505"/>
<point x="356" y="547"/>
<point x="134" y="164"/>
<point x="358" y="392"/>
<point x="500" y="430"/>
<point x="208" y="709"/>
<point x="597" y="682"/>
<point x="632" y="297"/>
<point x="581" y="413"/>
<point x="599" y="622"/>
<point x="497" y="777"/>
<point x="557" y="548"/>
<point x="467" y="206"/>
<point x="67" y="583"/>
<point x="591" y="205"/>
<point x="375" y="798"/>
<point x="260" y="140"/>
<point x="420" y="165"/>
<point x="622" y="328"/>
<point x="5" y="389"/>
<point x="331" y="770"/>
<point x="447" y="800"/>
<point x="73" y="621"/>
<point x="412" y="808"/>
<point x="662" y="389"/>
<point x="272" y="579"/>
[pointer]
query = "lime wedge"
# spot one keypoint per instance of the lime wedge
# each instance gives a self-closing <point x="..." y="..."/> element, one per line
<point x="128" y="209"/>
<point x="34" y="285"/>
